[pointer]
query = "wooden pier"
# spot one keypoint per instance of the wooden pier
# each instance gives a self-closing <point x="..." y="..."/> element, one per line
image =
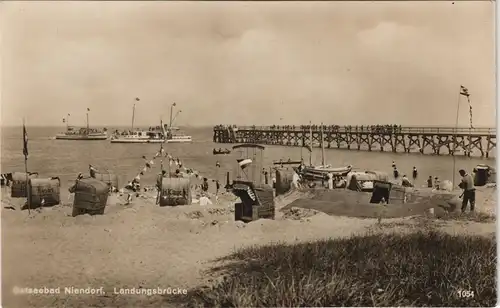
<point x="426" y="140"/>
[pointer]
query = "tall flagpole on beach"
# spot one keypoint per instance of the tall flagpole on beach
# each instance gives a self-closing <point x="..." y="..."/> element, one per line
<point x="455" y="137"/>
<point x="25" y="153"/>
<point x="461" y="91"/>
<point x="311" y="144"/>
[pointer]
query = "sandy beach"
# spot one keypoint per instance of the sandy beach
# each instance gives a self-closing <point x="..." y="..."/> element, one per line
<point x="144" y="246"/>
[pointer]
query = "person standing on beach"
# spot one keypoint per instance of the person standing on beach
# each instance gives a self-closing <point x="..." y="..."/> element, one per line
<point x="429" y="181"/>
<point x="204" y="185"/>
<point x="469" y="194"/>
<point x="415" y="173"/>
<point x="393" y="164"/>
<point x="217" y="187"/>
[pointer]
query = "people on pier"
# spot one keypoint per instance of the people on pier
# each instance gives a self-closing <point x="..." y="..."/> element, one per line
<point x="469" y="194"/>
<point x="414" y="173"/>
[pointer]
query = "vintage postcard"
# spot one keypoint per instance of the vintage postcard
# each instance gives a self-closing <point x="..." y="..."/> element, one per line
<point x="248" y="154"/>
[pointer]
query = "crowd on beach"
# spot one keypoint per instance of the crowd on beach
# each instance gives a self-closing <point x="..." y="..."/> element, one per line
<point x="178" y="170"/>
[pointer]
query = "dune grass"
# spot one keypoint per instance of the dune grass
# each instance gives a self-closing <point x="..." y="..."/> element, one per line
<point x="474" y="217"/>
<point x="418" y="269"/>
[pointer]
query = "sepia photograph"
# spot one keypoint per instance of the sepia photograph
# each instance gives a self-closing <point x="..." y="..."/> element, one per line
<point x="248" y="154"/>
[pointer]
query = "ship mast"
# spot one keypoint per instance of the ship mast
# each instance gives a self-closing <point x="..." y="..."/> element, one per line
<point x="171" y="113"/>
<point x="88" y="109"/>
<point x="169" y="132"/>
<point x="133" y="116"/>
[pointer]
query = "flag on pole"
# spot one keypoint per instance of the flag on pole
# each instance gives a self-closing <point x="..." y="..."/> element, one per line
<point x="174" y="104"/>
<point x="88" y="109"/>
<point x="25" y="141"/>
<point x="470" y="115"/>
<point x="137" y="99"/>
<point x="464" y="91"/>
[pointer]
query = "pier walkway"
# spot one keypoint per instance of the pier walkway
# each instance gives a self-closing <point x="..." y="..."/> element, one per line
<point x="426" y="140"/>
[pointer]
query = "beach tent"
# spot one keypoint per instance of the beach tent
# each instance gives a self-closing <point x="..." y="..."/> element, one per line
<point x="363" y="181"/>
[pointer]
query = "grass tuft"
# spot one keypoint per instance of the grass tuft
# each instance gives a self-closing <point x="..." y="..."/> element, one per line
<point x="418" y="269"/>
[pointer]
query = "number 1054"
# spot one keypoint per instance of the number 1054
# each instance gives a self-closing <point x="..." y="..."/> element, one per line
<point x="465" y="294"/>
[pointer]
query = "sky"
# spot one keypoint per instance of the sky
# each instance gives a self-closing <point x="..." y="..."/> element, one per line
<point x="253" y="63"/>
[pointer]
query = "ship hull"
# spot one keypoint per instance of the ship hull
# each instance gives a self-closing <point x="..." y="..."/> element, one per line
<point x="82" y="138"/>
<point x="179" y="140"/>
<point x="137" y="141"/>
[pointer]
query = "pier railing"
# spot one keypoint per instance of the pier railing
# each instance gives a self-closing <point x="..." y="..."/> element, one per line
<point x="372" y="129"/>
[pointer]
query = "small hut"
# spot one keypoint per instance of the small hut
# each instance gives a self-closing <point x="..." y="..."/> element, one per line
<point x="175" y="191"/>
<point x="91" y="196"/>
<point x="18" y="188"/>
<point x="484" y="174"/>
<point x="257" y="198"/>
<point x="45" y="192"/>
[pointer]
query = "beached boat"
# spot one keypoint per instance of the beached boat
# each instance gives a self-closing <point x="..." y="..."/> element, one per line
<point x="287" y="162"/>
<point x="221" y="151"/>
<point x="321" y="172"/>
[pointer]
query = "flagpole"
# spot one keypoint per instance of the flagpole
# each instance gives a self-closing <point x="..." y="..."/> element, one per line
<point x="28" y="191"/>
<point x="455" y="138"/>
<point x="161" y="163"/>
<point x="311" y="149"/>
<point x="322" y="147"/>
<point x="470" y="128"/>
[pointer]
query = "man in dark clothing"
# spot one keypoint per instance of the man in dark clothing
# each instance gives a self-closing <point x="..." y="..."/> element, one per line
<point x="469" y="194"/>
<point x="204" y="185"/>
<point x="217" y="187"/>
<point x="396" y="173"/>
<point x="414" y="174"/>
<point x="429" y="181"/>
